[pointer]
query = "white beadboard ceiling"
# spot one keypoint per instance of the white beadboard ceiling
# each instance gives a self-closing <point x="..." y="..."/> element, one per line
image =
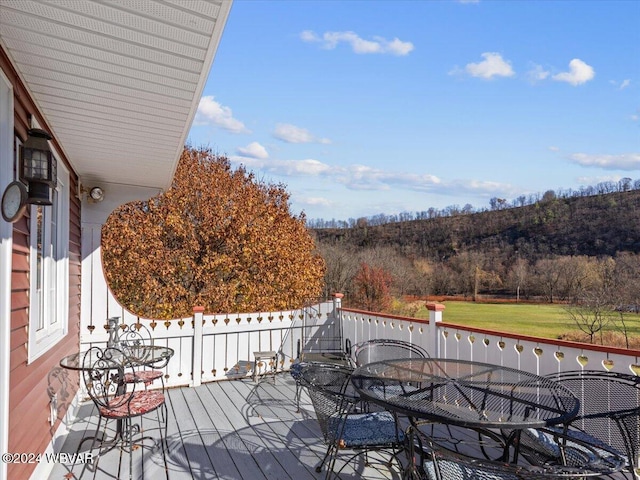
<point x="118" y="81"/>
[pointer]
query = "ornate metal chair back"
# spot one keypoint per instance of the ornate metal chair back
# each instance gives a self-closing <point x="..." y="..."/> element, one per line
<point x="103" y="372"/>
<point x="385" y="349"/>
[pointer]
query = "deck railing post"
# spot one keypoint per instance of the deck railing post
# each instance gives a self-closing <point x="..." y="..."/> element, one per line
<point x="337" y="313"/>
<point x="196" y="368"/>
<point x="337" y="304"/>
<point x="435" y="317"/>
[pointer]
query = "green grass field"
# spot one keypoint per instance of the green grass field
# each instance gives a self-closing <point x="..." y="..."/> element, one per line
<point x="547" y="321"/>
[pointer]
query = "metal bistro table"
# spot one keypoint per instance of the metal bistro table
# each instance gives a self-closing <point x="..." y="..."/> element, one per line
<point x="137" y="355"/>
<point x="473" y="395"/>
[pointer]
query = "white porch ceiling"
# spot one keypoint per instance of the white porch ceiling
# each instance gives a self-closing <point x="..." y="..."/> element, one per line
<point x="118" y="81"/>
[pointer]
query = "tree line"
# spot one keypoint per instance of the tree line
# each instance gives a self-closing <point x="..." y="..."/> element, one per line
<point x="623" y="185"/>
<point x="581" y="251"/>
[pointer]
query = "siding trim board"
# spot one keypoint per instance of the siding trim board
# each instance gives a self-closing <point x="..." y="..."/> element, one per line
<point x="6" y="257"/>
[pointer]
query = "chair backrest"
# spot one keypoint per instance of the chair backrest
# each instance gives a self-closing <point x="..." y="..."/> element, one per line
<point x="609" y="407"/>
<point x="135" y="335"/>
<point x="383" y="349"/>
<point x="331" y="392"/>
<point x="103" y="371"/>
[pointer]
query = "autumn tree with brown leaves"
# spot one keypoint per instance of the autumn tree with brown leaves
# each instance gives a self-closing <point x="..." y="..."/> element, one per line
<point x="217" y="238"/>
<point x="372" y="288"/>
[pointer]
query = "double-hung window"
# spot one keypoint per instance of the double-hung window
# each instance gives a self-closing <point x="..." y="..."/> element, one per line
<point x="49" y="269"/>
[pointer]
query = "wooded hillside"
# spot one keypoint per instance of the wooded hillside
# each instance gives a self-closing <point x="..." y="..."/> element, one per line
<point x="592" y="226"/>
<point x="548" y="249"/>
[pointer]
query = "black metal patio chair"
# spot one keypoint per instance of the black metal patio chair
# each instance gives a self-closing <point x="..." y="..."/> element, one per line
<point x="346" y="422"/>
<point x="335" y="357"/>
<point x="320" y="341"/>
<point x="609" y="416"/>
<point x="296" y="373"/>
<point x="456" y="456"/>
<point x="575" y="456"/>
<point x="385" y="349"/>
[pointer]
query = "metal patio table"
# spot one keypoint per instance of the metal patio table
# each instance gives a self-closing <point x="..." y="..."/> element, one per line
<point x="142" y="355"/>
<point x="465" y="393"/>
<point x="497" y="400"/>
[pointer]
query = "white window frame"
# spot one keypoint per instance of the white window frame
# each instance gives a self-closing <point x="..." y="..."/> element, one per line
<point x="49" y="305"/>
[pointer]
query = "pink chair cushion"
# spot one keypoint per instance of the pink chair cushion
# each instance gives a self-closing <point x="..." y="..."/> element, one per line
<point x="143" y="376"/>
<point x="141" y="403"/>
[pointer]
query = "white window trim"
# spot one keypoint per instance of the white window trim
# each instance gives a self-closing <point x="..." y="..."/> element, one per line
<point x="41" y="340"/>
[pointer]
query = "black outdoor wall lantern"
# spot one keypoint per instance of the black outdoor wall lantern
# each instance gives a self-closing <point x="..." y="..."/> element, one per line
<point x="38" y="167"/>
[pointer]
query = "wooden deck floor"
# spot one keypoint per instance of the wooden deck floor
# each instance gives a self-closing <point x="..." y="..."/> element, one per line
<point x="227" y="430"/>
<point x="223" y="430"/>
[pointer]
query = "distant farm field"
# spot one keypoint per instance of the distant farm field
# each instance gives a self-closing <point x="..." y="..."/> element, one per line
<point x="547" y="321"/>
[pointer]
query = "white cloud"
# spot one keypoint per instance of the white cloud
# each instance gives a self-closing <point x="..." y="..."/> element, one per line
<point x="596" y="180"/>
<point x="367" y="178"/>
<point x="211" y="112"/>
<point x="379" y="45"/>
<point x="479" y="187"/>
<point x="305" y="167"/>
<point x="493" y="65"/>
<point x="309" y="36"/>
<point x="313" y="201"/>
<point x="635" y="117"/>
<point x="253" y="150"/>
<point x="308" y="167"/>
<point x="362" y="177"/>
<point x="292" y="134"/>
<point x="621" y="85"/>
<point x="537" y="74"/>
<point x="625" y="161"/>
<point x="579" y="73"/>
<point x="554" y="148"/>
<point x="396" y="46"/>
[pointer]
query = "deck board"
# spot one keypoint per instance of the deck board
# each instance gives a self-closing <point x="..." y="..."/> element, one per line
<point x="189" y="458"/>
<point x="228" y="430"/>
<point x="274" y="421"/>
<point x="236" y="435"/>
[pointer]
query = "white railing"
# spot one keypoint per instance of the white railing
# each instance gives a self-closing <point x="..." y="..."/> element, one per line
<point x="537" y="355"/>
<point x="221" y="346"/>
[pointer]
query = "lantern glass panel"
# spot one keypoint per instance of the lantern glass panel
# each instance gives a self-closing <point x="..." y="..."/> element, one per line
<point x="36" y="165"/>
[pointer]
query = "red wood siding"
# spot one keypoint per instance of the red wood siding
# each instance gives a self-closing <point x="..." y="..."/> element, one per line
<point x="29" y="383"/>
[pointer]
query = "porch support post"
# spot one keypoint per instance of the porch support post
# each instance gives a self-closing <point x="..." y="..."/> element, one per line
<point x="198" y="320"/>
<point x="435" y="318"/>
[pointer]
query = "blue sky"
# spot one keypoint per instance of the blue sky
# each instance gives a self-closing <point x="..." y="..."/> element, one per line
<point x="365" y="107"/>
